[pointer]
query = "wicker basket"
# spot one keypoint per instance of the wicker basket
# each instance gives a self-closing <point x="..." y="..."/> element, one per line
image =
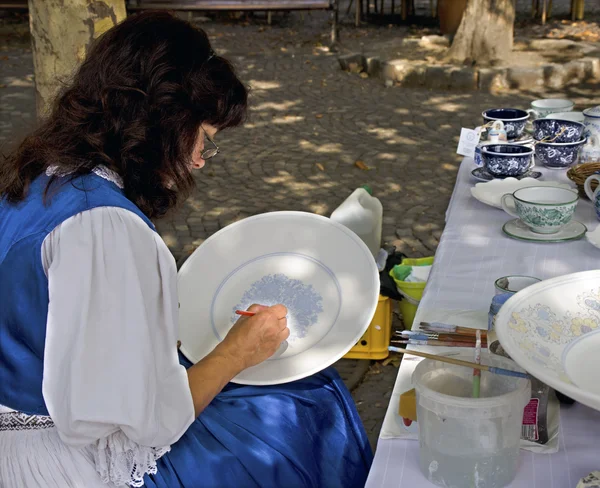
<point x="581" y="172"/>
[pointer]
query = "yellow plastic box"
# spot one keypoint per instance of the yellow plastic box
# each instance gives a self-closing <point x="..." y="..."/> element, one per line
<point x="375" y="341"/>
<point x="411" y="292"/>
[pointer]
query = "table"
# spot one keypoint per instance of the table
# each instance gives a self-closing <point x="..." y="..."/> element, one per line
<point x="473" y="252"/>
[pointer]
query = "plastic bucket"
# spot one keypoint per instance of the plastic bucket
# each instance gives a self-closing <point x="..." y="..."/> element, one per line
<point x="411" y="292"/>
<point x="466" y="441"/>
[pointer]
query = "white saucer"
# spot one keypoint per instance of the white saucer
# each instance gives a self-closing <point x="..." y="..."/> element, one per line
<point x="594" y="237"/>
<point x="517" y="229"/>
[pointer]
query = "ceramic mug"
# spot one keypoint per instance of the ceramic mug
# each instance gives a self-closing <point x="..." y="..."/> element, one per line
<point x="544" y="209"/>
<point x="514" y="284"/>
<point x="594" y="196"/>
<point x="540" y="108"/>
<point x="514" y="120"/>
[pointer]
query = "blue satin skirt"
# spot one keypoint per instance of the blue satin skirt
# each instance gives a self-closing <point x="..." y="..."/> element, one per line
<point x="301" y="434"/>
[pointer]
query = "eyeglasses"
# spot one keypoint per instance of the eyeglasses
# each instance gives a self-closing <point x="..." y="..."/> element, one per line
<point x="211" y="152"/>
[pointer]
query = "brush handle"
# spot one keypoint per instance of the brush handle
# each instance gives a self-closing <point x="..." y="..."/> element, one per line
<point x="245" y="313"/>
<point x="508" y="372"/>
<point x="459" y="362"/>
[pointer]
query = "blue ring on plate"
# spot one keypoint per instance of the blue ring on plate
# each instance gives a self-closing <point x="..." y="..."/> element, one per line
<point x="265" y="256"/>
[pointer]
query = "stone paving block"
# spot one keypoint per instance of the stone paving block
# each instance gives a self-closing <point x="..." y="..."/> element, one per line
<point x="373" y="66"/>
<point x="463" y="79"/>
<point x="438" y="77"/>
<point x="555" y="75"/>
<point x="525" y="78"/>
<point x="392" y="70"/>
<point x="575" y="71"/>
<point x="592" y="68"/>
<point x="348" y="61"/>
<point x="429" y="41"/>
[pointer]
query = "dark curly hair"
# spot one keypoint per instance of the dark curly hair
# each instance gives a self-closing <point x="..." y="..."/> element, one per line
<point x="135" y="105"/>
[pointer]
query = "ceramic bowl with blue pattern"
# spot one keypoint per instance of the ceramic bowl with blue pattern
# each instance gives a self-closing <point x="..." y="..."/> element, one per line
<point x="549" y="128"/>
<point x="514" y="120"/>
<point x="559" y="155"/>
<point x="503" y="160"/>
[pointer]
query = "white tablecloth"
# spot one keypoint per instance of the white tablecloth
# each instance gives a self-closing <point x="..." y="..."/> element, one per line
<point x="473" y="252"/>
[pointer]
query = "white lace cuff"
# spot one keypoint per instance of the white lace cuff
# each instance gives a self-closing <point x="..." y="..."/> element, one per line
<point x="121" y="461"/>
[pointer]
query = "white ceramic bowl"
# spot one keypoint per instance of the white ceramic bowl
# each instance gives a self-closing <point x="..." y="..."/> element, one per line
<point x="320" y="270"/>
<point x="552" y="330"/>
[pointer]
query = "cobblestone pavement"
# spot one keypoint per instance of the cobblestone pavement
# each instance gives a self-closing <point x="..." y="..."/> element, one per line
<point x="310" y="123"/>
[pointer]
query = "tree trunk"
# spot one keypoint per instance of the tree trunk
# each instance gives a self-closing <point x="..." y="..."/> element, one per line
<point x="485" y="33"/>
<point x="61" y="33"/>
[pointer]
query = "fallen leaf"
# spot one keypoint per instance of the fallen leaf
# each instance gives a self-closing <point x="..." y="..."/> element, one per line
<point x="284" y="50"/>
<point x="364" y="75"/>
<point x="320" y="166"/>
<point x="319" y="116"/>
<point x="307" y="61"/>
<point x="361" y="165"/>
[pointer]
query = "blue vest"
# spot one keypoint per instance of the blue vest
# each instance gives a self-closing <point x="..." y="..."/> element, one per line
<point x="23" y="283"/>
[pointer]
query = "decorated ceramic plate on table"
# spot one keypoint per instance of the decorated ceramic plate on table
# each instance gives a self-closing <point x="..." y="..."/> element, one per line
<point x="552" y="330"/>
<point x="320" y="270"/>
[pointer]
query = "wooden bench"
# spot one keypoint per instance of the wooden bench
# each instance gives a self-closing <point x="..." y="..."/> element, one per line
<point x="256" y="5"/>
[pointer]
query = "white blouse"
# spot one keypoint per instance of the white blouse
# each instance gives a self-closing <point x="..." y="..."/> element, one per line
<point x="112" y="381"/>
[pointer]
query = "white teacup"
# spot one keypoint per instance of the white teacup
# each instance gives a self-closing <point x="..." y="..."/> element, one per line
<point x="544" y="209"/>
<point x="572" y="116"/>
<point x="540" y="108"/>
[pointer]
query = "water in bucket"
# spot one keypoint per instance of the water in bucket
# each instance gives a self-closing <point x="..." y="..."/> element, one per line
<point x="469" y="442"/>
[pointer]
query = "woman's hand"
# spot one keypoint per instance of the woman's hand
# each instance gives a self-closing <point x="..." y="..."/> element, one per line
<point x="254" y="339"/>
<point x="249" y="342"/>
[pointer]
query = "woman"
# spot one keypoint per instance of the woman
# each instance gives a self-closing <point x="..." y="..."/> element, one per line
<point x="92" y="389"/>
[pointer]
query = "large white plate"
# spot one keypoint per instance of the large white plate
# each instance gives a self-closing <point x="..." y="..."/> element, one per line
<point x="552" y="330"/>
<point x="491" y="192"/>
<point x="319" y="269"/>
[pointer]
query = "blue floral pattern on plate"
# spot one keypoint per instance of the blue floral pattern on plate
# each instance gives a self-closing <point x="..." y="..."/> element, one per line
<point x="303" y="302"/>
<point x="545" y="337"/>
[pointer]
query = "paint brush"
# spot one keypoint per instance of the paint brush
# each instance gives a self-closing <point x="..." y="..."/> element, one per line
<point x="477" y="372"/>
<point x="460" y="362"/>
<point x="423" y="335"/>
<point x="449" y="329"/>
<point x="245" y="313"/>
<point x="417" y="342"/>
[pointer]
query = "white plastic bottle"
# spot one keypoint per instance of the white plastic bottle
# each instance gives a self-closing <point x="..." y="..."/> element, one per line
<point x="363" y="214"/>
